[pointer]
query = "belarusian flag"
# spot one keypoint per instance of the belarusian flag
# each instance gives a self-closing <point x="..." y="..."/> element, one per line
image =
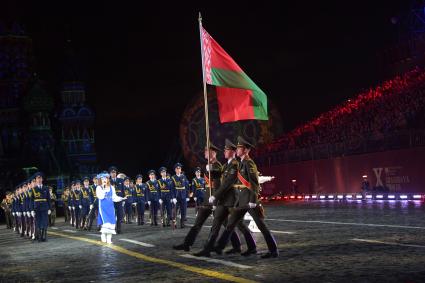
<point x="239" y="98"/>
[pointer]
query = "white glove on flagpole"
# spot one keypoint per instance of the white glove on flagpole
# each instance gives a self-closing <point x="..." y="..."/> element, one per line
<point x="211" y="199"/>
<point x="91" y="206"/>
<point x="49" y="211"/>
<point x="252" y="205"/>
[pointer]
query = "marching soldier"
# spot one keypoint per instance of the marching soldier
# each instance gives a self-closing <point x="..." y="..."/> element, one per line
<point x="6" y="205"/>
<point x="140" y="199"/>
<point x="77" y="203"/>
<point x="52" y="216"/>
<point x="42" y="210"/>
<point x="198" y="188"/>
<point x="31" y="184"/>
<point x="71" y="206"/>
<point x="85" y="202"/>
<point x="224" y="199"/>
<point x="94" y="203"/>
<point x="153" y="194"/>
<point x="117" y="183"/>
<point x="64" y="198"/>
<point x="181" y="186"/>
<point x="206" y="209"/>
<point x="168" y="195"/>
<point x="128" y="193"/>
<point x="247" y="201"/>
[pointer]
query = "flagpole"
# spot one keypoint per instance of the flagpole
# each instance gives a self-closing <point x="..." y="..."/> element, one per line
<point x="207" y="127"/>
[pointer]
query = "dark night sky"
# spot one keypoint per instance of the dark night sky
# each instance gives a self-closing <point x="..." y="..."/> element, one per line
<point x="141" y="65"/>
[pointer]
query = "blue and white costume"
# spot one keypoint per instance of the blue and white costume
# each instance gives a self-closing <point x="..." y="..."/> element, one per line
<point x="106" y="218"/>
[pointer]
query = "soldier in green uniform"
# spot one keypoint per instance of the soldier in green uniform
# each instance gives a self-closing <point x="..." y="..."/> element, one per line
<point x="247" y="201"/>
<point x="224" y="199"/>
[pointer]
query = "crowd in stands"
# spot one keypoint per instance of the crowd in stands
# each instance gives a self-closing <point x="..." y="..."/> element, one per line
<point x="394" y="105"/>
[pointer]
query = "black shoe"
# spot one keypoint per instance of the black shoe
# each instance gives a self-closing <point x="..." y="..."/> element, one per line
<point x="143" y="223"/>
<point x="233" y="251"/>
<point x="218" y="251"/>
<point x="270" y="255"/>
<point x="249" y="252"/>
<point x="182" y="247"/>
<point x="204" y="252"/>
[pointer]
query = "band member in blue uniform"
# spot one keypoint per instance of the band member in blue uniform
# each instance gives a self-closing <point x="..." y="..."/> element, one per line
<point x="71" y="206"/>
<point x="140" y="199"/>
<point x="153" y="194"/>
<point x="41" y="197"/>
<point x="85" y="201"/>
<point x="77" y="203"/>
<point x="117" y="183"/>
<point x="128" y="193"/>
<point x="181" y="185"/>
<point x="198" y="188"/>
<point x="31" y="184"/>
<point x="167" y="196"/>
<point x="94" y="203"/>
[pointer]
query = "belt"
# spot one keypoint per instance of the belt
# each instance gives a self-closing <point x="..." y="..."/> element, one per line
<point x="140" y="195"/>
<point x="240" y="187"/>
<point x="180" y="188"/>
<point x="165" y="191"/>
<point x="41" y="199"/>
<point x="200" y="188"/>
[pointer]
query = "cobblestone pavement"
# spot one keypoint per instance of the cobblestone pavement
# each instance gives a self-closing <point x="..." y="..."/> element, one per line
<point x="318" y="242"/>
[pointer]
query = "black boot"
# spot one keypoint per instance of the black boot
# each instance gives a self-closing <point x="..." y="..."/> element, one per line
<point x="270" y="254"/>
<point x="249" y="252"/>
<point x="204" y="252"/>
<point x="233" y="251"/>
<point x="182" y="247"/>
<point x="45" y="235"/>
<point x="222" y="241"/>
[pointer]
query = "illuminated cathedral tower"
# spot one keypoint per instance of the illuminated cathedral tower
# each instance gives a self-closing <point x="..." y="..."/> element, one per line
<point x="15" y="74"/>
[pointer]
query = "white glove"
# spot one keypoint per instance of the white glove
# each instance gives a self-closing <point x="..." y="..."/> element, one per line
<point x="252" y="205"/>
<point x="123" y="204"/>
<point x="214" y="207"/>
<point x="19" y="214"/>
<point x="69" y="207"/>
<point x="48" y="212"/>
<point x="134" y="203"/>
<point x="80" y="206"/>
<point x="73" y="208"/>
<point x="29" y="213"/>
<point x="160" y="201"/>
<point x="26" y="213"/>
<point x="13" y="213"/>
<point x="187" y="199"/>
<point x="91" y="206"/>
<point x="207" y="167"/>
<point x="149" y="202"/>
<point x="33" y="213"/>
<point x="211" y="199"/>
<point x="174" y="200"/>
<point x="195" y="198"/>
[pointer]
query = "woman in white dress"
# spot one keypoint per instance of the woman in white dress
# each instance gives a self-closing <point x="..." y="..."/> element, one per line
<point x="106" y="218"/>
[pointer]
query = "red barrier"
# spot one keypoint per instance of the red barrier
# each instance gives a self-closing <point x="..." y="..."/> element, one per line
<point x="399" y="170"/>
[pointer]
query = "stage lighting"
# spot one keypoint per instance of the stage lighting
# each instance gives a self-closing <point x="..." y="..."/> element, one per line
<point x="314" y="196"/>
<point x="330" y="196"/>
<point x="403" y="197"/>
<point x="349" y="196"/>
<point x="322" y="197"/>
<point x="417" y="196"/>
<point x="359" y="196"/>
<point x="306" y="197"/>
<point x="391" y="196"/>
<point x="379" y="196"/>
<point x="369" y="196"/>
<point x="292" y="197"/>
<point x="340" y="196"/>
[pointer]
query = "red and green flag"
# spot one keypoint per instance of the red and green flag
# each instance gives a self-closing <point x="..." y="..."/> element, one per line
<point x="239" y="98"/>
